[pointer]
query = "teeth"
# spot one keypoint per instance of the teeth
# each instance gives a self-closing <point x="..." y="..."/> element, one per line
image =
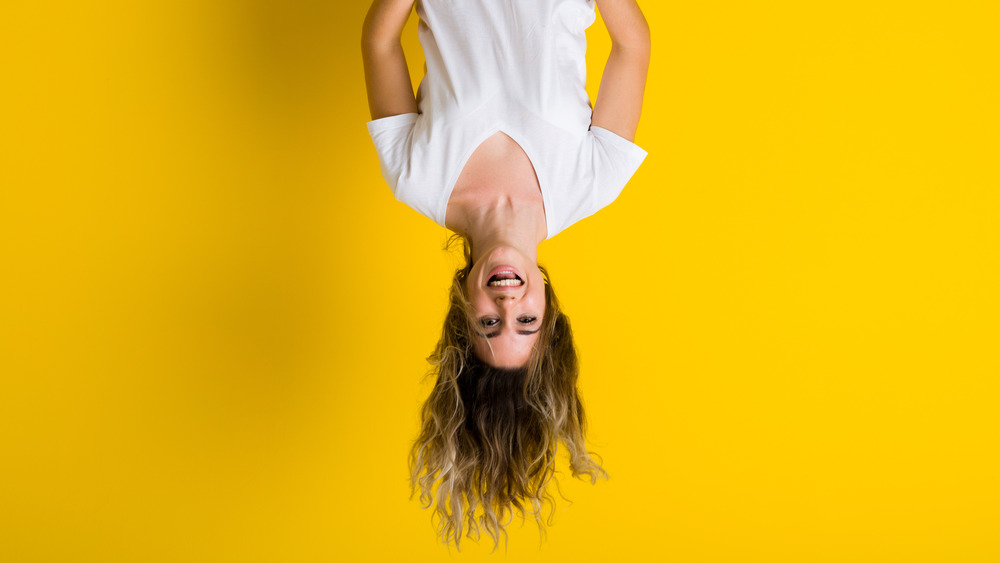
<point x="505" y="283"/>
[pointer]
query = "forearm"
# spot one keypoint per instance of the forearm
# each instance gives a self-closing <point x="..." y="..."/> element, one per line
<point x="387" y="76"/>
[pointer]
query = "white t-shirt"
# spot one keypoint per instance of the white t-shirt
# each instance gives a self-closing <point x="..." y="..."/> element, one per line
<point x="516" y="66"/>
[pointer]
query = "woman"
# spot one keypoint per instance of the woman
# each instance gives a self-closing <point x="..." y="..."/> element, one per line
<point x="502" y="147"/>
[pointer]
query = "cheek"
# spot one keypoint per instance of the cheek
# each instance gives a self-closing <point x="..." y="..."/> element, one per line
<point x="478" y="309"/>
<point x="481" y="347"/>
<point x="476" y="298"/>
<point x="539" y="299"/>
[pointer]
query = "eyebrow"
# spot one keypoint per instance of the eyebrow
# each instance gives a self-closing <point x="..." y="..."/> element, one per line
<point x="521" y="332"/>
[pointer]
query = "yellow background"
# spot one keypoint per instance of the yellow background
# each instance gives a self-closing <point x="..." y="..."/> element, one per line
<point x="214" y="316"/>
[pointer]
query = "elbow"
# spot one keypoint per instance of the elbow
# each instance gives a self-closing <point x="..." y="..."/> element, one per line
<point x="637" y="49"/>
<point x="384" y="23"/>
<point x="639" y="37"/>
<point x="644" y="40"/>
<point x="376" y="34"/>
<point x="369" y="36"/>
<point x="374" y="43"/>
<point x="635" y="41"/>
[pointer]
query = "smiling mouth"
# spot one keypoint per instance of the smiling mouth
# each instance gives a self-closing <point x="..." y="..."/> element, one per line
<point x="506" y="278"/>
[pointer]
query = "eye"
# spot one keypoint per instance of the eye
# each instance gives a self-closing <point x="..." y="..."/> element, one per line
<point x="489" y="322"/>
<point x="526" y="319"/>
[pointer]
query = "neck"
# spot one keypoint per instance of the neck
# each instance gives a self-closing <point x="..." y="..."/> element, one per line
<point x="501" y="224"/>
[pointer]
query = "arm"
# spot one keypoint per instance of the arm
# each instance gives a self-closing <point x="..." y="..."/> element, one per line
<point x="386" y="75"/>
<point x="619" y="99"/>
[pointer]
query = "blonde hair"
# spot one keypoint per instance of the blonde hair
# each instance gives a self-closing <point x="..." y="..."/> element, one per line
<point x="489" y="435"/>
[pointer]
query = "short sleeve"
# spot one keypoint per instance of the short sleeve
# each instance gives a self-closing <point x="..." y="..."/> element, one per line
<point x="392" y="137"/>
<point x="615" y="161"/>
<point x="581" y="176"/>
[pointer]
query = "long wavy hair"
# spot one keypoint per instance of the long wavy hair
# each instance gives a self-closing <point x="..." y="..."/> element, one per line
<point x="489" y="436"/>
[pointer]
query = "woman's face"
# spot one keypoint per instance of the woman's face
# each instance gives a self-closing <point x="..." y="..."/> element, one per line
<point x="507" y="294"/>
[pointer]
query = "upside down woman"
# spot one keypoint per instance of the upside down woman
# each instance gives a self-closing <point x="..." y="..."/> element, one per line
<point x="502" y="147"/>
